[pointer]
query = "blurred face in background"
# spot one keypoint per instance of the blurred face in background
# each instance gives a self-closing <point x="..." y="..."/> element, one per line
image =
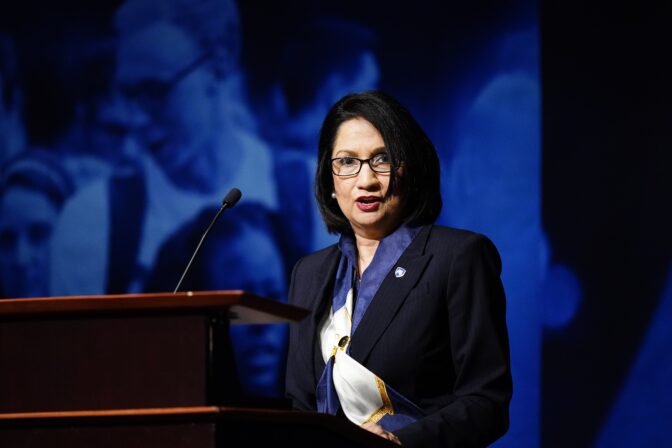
<point x="165" y="79"/>
<point x="251" y="261"/>
<point x="26" y="220"/>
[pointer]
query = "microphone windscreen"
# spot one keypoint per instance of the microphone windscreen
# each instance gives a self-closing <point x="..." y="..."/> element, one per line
<point x="232" y="197"/>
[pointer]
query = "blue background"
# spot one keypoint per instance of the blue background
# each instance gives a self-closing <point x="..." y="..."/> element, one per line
<point x="123" y="124"/>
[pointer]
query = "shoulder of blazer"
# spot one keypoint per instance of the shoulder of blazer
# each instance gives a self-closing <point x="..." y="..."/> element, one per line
<point x="447" y="243"/>
<point x="452" y="238"/>
<point x="310" y="275"/>
<point x="451" y="234"/>
<point x="315" y="261"/>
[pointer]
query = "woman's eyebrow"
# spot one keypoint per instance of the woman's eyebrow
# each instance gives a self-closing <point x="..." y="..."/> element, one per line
<point x="349" y="152"/>
<point x="345" y="152"/>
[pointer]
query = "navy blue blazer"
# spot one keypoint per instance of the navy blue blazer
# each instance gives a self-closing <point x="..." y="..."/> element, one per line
<point x="437" y="335"/>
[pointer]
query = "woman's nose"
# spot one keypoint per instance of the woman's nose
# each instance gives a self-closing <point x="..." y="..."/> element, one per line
<point x="366" y="177"/>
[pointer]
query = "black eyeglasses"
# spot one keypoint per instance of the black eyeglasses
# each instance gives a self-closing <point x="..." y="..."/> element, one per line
<point x="351" y="166"/>
<point x="151" y="93"/>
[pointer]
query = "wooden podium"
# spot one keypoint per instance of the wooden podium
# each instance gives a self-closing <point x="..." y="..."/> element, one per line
<point x="142" y="370"/>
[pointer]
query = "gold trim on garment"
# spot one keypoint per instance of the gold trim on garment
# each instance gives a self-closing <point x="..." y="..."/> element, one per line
<point x="386" y="408"/>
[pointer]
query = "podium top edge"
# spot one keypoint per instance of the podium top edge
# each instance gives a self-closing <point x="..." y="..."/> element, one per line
<point x="238" y="301"/>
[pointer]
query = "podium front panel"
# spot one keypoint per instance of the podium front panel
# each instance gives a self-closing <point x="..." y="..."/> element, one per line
<point x="104" y="362"/>
<point x="202" y="427"/>
<point x="184" y="435"/>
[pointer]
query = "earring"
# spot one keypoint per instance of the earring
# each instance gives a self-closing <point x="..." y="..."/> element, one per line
<point x="333" y="195"/>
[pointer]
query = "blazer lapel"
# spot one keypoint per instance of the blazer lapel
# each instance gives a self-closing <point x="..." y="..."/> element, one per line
<point x="390" y="296"/>
<point x="321" y="290"/>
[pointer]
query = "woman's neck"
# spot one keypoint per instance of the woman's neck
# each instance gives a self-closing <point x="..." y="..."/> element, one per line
<point x="366" y="249"/>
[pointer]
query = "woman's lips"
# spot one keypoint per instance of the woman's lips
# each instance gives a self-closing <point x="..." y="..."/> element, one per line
<point x="368" y="203"/>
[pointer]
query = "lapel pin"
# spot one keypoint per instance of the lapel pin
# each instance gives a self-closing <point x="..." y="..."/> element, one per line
<point x="399" y="272"/>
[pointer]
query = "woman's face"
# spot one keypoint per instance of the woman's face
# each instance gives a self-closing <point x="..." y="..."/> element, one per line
<point x="361" y="197"/>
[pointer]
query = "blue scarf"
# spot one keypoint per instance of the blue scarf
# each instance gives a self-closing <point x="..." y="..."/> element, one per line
<point x="387" y="255"/>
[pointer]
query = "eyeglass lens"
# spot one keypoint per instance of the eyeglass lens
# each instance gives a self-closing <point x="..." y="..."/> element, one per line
<point x="348" y="166"/>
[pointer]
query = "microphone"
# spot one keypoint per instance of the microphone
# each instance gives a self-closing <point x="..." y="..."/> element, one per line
<point x="231" y="198"/>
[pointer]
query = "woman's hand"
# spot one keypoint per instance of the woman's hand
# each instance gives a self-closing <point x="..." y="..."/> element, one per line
<point x="378" y="430"/>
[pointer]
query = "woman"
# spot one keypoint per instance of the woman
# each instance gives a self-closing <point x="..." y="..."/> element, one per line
<point x="407" y="335"/>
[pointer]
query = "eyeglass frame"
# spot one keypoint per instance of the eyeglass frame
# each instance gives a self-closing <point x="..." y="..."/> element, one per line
<point x="361" y="164"/>
<point x="152" y="99"/>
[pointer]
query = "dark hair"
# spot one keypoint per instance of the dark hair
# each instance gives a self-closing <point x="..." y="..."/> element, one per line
<point x="405" y="143"/>
<point x="39" y="171"/>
